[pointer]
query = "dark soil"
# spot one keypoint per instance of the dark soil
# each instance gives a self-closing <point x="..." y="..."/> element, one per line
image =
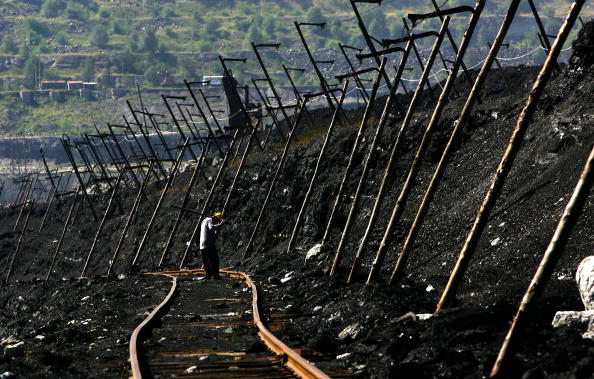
<point x="461" y="341"/>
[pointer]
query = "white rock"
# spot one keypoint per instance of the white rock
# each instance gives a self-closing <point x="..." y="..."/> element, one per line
<point x="8" y="340"/>
<point x="317" y="308"/>
<point x="496" y="241"/>
<point x="430" y="288"/>
<point x="585" y="280"/>
<point x="424" y="316"/>
<point x="343" y="357"/>
<point x="350" y="331"/>
<point x="573" y="319"/>
<point x="85" y="298"/>
<point x="191" y="370"/>
<point x="14" y="350"/>
<point x="313" y="252"/>
<point x="40" y="337"/>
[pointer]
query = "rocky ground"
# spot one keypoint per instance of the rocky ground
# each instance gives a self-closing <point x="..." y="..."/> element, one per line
<point x="374" y="330"/>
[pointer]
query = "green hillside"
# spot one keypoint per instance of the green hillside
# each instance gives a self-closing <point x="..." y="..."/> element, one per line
<point x="119" y="43"/>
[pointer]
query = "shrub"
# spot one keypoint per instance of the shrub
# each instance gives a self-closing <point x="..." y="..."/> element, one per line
<point x="62" y="38"/>
<point x="8" y="45"/>
<point x="52" y="8"/>
<point x="104" y="13"/>
<point x="99" y="36"/>
<point x="75" y="11"/>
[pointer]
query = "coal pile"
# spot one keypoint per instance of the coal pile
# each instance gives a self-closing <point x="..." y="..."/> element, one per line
<point x="379" y="330"/>
<point x="583" y="46"/>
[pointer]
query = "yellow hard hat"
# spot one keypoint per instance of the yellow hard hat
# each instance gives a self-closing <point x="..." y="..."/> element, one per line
<point x="218" y="215"/>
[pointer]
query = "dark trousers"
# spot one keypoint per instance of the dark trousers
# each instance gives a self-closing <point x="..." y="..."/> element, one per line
<point x="210" y="257"/>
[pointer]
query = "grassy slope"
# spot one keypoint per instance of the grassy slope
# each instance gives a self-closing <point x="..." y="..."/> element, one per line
<point x="182" y="32"/>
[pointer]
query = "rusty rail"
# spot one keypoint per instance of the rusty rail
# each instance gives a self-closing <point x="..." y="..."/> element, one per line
<point x="134" y="362"/>
<point x="300" y="366"/>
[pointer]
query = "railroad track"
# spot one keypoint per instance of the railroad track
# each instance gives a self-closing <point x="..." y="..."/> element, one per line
<point x="212" y="328"/>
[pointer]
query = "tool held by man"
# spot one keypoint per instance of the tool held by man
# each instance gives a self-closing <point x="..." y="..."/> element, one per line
<point x="195" y="212"/>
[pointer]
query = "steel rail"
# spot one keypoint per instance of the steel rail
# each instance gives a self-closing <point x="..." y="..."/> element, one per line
<point x="134" y="361"/>
<point x="299" y="365"/>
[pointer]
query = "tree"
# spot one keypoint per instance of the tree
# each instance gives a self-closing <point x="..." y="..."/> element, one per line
<point x="87" y="71"/>
<point x="8" y="45"/>
<point x="52" y="8"/>
<point x="150" y="43"/>
<point x="211" y="27"/>
<point x="378" y="27"/>
<point x="31" y="72"/>
<point x="253" y="35"/>
<point x="314" y="14"/>
<point x="154" y="74"/>
<point x="62" y="38"/>
<point x="106" y="79"/>
<point x="99" y="36"/>
<point x="75" y="11"/>
<point x="187" y="67"/>
<point x="269" y="25"/>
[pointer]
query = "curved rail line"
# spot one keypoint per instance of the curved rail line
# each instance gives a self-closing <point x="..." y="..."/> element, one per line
<point x="300" y="366"/>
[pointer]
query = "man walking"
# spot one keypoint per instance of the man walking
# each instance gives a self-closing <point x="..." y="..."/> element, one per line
<point x="209" y="231"/>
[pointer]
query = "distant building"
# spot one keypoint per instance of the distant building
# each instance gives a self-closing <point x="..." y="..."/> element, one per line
<point x="90" y="85"/>
<point x="52" y="84"/>
<point x="215" y="81"/>
<point x="74" y="84"/>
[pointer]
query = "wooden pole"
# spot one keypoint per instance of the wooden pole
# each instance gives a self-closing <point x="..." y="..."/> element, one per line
<point x="193" y="180"/>
<point x="64" y="229"/>
<point x="51" y="202"/>
<point x="507" y="160"/>
<point x="131" y="215"/>
<point x="101" y="224"/>
<point x="168" y="184"/>
<point x="396" y="149"/>
<point x="18" y="246"/>
<point x="356" y="145"/>
<point x="208" y="198"/>
<point x="441" y="103"/>
<point x="279" y="168"/>
<point x="550" y="258"/>
<point x="458" y="127"/>
<point x="378" y="131"/>
<point x="241" y="166"/>
<point x="315" y="174"/>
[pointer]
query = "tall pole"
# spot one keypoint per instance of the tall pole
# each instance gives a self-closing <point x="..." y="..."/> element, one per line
<point x="508" y="158"/>
<point x="459" y="125"/>
<point x="396" y="149"/>
<point x="184" y="203"/>
<point x="550" y="258"/>
<point x="315" y="174"/>
<point x="274" y="180"/>
<point x="354" y="150"/>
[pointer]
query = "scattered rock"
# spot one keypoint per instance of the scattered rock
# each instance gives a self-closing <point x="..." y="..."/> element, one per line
<point x="585" y="280"/>
<point x="351" y="331"/>
<point x="313" y="252"/>
<point x="16" y="350"/>
<point x="191" y="370"/>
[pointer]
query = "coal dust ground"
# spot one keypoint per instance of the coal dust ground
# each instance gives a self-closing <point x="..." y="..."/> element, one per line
<point x="373" y="330"/>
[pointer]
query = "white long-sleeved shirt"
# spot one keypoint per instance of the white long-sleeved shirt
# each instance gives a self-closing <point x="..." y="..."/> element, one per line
<point x="209" y="231"/>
